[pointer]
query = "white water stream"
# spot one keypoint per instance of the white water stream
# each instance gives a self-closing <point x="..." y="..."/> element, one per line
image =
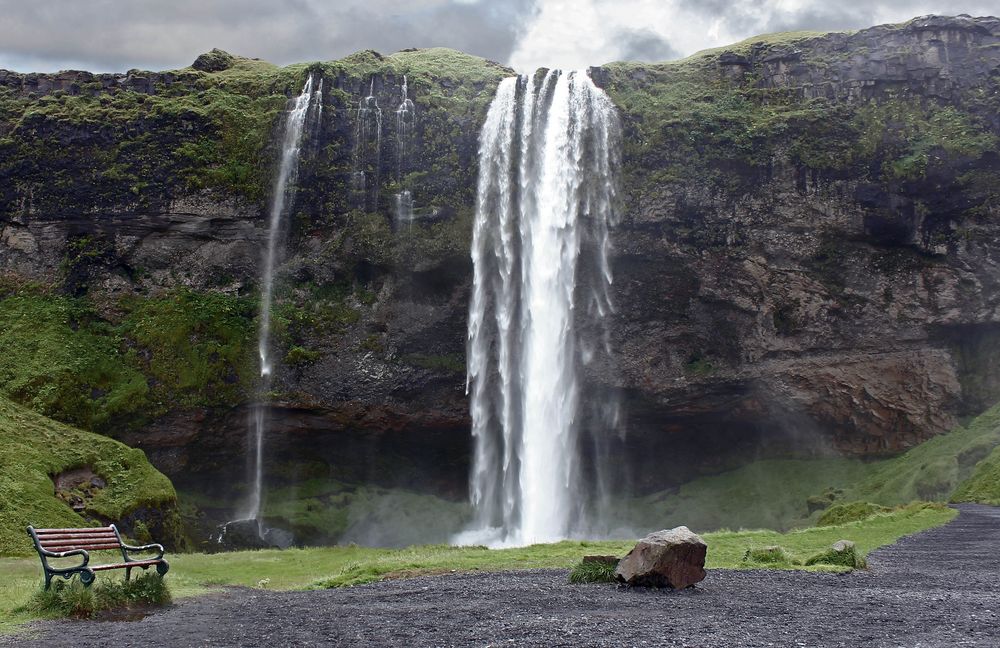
<point x="283" y="195"/>
<point x="547" y="160"/>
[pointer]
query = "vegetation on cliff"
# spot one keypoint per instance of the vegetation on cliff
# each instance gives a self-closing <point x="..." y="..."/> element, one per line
<point x="137" y="360"/>
<point x="34" y="450"/>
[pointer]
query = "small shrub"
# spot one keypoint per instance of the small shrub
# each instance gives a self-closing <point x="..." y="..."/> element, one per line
<point x="594" y="571"/>
<point x="772" y="556"/>
<point x="841" y="554"/>
<point x="72" y="599"/>
<point x="849" y="512"/>
<point x="300" y="356"/>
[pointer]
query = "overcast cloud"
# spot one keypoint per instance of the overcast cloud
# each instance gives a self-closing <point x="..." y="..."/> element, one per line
<point x="115" y="35"/>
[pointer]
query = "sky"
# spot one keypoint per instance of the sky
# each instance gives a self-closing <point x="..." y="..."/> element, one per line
<point x="118" y="35"/>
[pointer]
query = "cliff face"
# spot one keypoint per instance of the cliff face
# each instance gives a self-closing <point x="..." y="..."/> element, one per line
<point x="806" y="257"/>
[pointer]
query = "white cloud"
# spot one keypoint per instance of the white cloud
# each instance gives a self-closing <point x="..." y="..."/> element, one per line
<point x="578" y="33"/>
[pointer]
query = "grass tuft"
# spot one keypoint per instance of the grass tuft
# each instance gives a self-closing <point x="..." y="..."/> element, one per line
<point x="72" y="599"/>
<point x="849" y="512"/>
<point x="769" y="556"/>
<point x="845" y="557"/>
<point x="591" y="570"/>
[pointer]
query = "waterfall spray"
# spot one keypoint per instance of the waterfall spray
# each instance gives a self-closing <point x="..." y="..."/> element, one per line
<point x="548" y="163"/>
<point x="282" y="198"/>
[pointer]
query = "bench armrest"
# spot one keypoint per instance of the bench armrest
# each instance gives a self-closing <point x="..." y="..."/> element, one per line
<point x="149" y="547"/>
<point x="66" y="554"/>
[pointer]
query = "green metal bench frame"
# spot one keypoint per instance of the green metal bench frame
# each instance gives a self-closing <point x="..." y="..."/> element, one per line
<point x="64" y="543"/>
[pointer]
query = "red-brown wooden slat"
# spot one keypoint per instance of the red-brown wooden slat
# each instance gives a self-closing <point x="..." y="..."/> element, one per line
<point x="77" y="537"/>
<point x="83" y="530"/>
<point x="102" y="547"/>
<point x="69" y="541"/>
<point x="80" y="545"/>
<point x="138" y="563"/>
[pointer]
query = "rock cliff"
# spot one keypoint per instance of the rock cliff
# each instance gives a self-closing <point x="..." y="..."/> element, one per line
<point x="806" y="259"/>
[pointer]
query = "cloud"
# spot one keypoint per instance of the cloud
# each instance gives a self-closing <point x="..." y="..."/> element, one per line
<point x="644" y="45"/>
<point x="114" y="35"/>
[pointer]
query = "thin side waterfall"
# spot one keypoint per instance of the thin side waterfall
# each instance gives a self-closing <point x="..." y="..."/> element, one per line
<point x="548" y="167"/>
<point x="368" y="149"/>
<point x="405" y="114"/>
<point x="283" y="195"/>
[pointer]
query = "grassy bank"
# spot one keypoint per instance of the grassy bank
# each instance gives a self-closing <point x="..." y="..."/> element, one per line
<point x="34" y="448"/>
<point x="321" y="567"/>
<point x="786" y="493"/>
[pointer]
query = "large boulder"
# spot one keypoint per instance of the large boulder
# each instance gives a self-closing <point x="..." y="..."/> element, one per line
<point x="669" y="558"/>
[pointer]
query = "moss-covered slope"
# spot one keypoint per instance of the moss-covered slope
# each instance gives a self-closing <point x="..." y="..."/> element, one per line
<point x="34" y="449"/>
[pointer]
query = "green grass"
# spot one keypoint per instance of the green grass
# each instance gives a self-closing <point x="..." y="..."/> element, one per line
<point x="775" y="493"/>
<point x="65" y="360"/>
<point x="984" y="484"/>
<point x="848" y="512"/>
<point x="769" y="556"/>
<point x="593" y="571"/>
<point x="32" y="448"/>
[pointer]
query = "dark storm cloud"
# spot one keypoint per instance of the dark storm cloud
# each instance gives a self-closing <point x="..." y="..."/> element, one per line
<point x="751" y="17"/>
<point x="644" y="45"/>
<point x="121" y="34"/>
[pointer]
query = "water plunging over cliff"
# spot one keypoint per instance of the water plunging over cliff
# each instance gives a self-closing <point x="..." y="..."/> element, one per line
<point x="368" y="149"/>
<point x="404" y="142"/>
<point x="548" y="160"/>
<point x="283" y="195"/>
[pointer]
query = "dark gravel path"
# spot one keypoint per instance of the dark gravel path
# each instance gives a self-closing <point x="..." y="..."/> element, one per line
<point x="938" y="588"/>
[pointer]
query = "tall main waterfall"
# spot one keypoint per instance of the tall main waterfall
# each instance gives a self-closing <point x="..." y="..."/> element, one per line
<point x="548" y="164"/>
<point x="283" y="195"/>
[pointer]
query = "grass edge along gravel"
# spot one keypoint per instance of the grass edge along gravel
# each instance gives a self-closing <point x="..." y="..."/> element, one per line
<point x="326" y="567"/>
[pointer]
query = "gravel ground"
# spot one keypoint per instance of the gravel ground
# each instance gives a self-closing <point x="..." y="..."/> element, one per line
<point x="937" y="588"/>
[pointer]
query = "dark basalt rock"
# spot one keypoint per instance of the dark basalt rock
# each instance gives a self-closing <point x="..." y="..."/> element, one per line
<point x="796" y="310"/>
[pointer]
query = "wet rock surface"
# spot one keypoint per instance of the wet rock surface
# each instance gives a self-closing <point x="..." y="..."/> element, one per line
<point x="935" y="589"/>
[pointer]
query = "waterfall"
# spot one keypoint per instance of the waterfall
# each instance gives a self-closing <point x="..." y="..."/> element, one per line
<point x="367" y="161"/>
<point x="283" y="195"/>
<point x="548" y="166"/>
<point x="405" y="114"/>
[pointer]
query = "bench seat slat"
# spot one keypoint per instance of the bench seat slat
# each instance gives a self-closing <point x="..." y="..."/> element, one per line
<point x="88" y="547"/>
<point x="137" y="563"/>
<point x="41" y="532"/>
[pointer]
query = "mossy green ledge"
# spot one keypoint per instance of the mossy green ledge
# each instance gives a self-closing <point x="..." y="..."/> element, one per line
<point x="35" y="449"/>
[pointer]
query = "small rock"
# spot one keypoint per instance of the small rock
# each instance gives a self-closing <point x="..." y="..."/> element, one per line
<point x="604" y="560"/>
<point x="670" y="558"/>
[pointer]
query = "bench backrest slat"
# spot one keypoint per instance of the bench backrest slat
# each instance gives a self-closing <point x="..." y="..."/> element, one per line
<point x="82" y="542"/>
<point x="92" y="539"/>
<point x="107" y="529"/>
<point x="76" y="537"/>
<point x="90" y="547"/>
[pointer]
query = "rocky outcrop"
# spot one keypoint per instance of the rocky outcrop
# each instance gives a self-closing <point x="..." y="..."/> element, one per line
<point x="806" y="260"/>
<point x="669" y="558"/>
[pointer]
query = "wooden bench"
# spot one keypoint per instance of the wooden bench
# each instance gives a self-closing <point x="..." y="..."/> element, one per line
<point x="63" y="543"/>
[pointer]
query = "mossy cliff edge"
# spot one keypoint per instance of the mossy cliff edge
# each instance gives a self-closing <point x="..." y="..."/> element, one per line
<point x="805" y="261"/>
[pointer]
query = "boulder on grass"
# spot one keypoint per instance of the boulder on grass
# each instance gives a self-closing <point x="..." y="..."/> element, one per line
<point x="670" y="558"/>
